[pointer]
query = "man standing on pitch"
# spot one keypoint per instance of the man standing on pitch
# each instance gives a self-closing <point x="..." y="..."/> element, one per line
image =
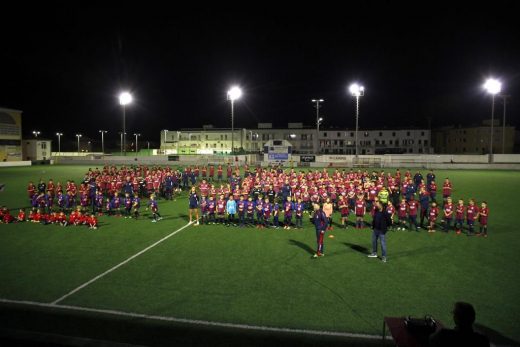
<point x="380" y="225"/>
<point x="319" y="219"/>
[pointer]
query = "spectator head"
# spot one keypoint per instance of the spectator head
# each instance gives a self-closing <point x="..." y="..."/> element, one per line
<point x="463" y="315"/>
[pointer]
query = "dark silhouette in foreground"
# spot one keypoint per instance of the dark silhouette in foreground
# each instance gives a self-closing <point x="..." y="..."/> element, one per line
<point x="462" y="334"/>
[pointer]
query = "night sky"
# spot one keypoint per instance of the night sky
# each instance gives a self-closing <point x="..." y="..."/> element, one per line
<point x="64" y="65"/>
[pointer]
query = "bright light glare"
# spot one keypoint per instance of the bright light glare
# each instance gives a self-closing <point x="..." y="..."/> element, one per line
<point x="493" y="86"/>
<point x="125" y="98"/>
<point x="234" y="93"/>
<point x="356" y="90"/>
<point x="320" y="119"/>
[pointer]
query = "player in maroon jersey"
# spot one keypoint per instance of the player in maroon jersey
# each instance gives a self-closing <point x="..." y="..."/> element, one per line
<point x="446" y="190"/>
<point x="432" y="217"/>
<point x="448" y="214"/>
<point x="402" y="212"/>
<point x="483" y="219"/>
<point x="413" y="206"/>
<point x="471" y="216"/>
<point x="360" y="210"/>
<point x="390" y="209"/>
<point x="459" y="216"/>
<point x="343" y="209"/>
<point x="221" y="209"/>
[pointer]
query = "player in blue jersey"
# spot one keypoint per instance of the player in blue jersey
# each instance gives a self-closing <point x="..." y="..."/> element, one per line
<point x="194" y="205"/>
<point x="154" y="208"/>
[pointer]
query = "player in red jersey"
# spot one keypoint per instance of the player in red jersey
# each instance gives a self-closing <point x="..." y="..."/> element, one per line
<point x="483" y="219"/>
<point x="471" y="216"/>
<point x="360" y="210"/>
<point x="92" y="221"/>
<point x="21" y="215"/>
<point x="432" y="217"/>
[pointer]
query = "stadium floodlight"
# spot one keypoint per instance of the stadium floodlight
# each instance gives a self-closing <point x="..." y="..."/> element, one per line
<point x="357" y="91"/>
<point x="78" y="136"/>
<point x="233" y="94"/>
<point x="103" y="132"/>
<point x="59" y="142"/>
<point x="125" y="98"/>
<point x="493" y="87"/>
<point x="36" y="133"/>
<point x="136" y="146"/>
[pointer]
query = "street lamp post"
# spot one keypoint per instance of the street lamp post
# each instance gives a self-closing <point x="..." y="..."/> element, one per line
<point x="233" y="94"/>
<point x="78" y="136"/>
<point x="136" y="146"/>
<point x="103" y="132"/>
<point x="318" y="121"/>
<point x="504" y="97"/>
<point x="124" y="99"/>
<point x="121" y="133"/>
<point x="36" y="133"/>
<point x="178" y="140"/>
<point x="356" y="91"/>
<point x="493" y="87"/>
<point x="59" y="142"/>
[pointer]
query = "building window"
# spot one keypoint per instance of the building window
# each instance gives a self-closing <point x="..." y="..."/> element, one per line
<point x="410" y="150"/>
<point x="407" y="133"/>
<point x="366" y="134"/>
<point x="339" y="134"/>
<point x="380" y="134"/>
<point x="207" y="145"/>
<point x="225" y="137"/>
<point x="351" y="134"/>
<point x="422" y="133"/>
<point x="419" y="141"/>
<point x="377" y="142"/>
<point x="391" y="142"/>
<point x="420" y="150"/>
<point x="206" y="137"/>
<point x="383" y="142"/>
<point x="426" y="142"/>
<point x="324" y="134"/>
<point x="44" y="145"/>
<point x="393" y="134"/>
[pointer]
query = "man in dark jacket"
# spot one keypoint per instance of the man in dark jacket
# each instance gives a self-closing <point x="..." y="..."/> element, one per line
<point x="463" y="334"/>
<point x="319" y="219"/>
<point x="380" y="225"/>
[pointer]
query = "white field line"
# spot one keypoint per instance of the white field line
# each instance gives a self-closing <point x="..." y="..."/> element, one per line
<point x="117" y="266"/>
<point x="195" y="322"/>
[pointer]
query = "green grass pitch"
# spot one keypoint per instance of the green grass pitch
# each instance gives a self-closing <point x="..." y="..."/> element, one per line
<point x="267" y="277"/>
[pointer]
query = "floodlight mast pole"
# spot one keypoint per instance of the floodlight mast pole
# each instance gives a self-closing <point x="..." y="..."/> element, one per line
<point x="493" y="87"/>
<point x="318" y="120"/>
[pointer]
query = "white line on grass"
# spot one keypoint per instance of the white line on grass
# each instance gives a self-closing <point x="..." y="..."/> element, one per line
<point x="195" y="322"/>
<point x="118" y="265"/>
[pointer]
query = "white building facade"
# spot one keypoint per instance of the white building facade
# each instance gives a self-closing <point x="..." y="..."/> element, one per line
<point x="304" y="140"/>
<point x="36" y="149"/>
